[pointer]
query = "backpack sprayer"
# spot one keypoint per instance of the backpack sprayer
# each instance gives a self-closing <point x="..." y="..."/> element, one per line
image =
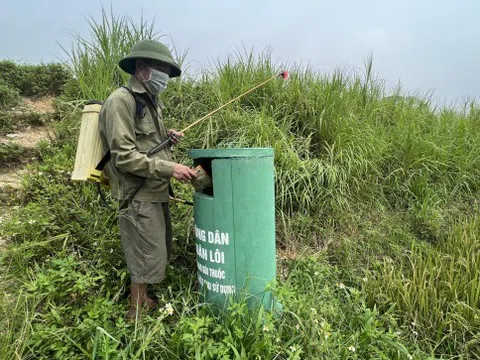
<point x="89" y="162"/>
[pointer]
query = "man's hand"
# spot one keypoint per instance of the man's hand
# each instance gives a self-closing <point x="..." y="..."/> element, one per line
<point x="174" y="135"/>
<point x="183" y="173"/>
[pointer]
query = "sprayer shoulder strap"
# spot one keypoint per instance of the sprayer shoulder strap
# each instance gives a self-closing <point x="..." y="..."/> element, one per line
<point x="139" y="111"/>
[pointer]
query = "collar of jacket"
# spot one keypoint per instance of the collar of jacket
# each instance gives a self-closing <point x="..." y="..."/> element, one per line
<point x="137" y="87"/>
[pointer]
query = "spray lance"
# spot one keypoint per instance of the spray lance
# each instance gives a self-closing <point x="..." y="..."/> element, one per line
<point x="284" y="75"/>
<point x="167" y="142"/>
<point x="95" y="175"/>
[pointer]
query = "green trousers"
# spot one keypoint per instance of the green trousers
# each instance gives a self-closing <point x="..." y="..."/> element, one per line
<point x="146" y="233"/>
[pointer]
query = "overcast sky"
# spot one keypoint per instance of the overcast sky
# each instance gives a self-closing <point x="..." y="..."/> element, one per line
<point x="427" y="45"/>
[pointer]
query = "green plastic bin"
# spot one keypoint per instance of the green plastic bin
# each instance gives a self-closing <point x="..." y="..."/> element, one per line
<point x="235" y="225"/>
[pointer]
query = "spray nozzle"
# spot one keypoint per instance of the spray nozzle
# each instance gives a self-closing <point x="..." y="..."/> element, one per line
<point x="284" y="74"/>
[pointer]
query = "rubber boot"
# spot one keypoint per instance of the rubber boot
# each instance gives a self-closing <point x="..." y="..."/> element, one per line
<point x="137" y="294"/>
<point x="148" y="301"/>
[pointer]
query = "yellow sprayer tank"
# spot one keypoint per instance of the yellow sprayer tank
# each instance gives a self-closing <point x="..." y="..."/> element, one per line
<point x="89" y="148"/>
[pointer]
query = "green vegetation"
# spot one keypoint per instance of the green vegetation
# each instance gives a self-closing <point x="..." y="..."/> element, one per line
<point x="9" y="97"/>
<point x="34" y="80"/>
<point x="377" y="213"/>
<point x="10" y="122"/>
<point x="10" y="151"/>
<point x="438" y="289"/>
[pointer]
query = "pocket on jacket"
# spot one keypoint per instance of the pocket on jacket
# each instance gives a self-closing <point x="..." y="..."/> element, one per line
<point x="144" y="126"/>
<point x="145" y="134"/>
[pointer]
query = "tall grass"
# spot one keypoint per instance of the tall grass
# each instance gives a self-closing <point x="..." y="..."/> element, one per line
<point x="438" y="290"/>
<point x="339" y="139"/>
<point x="94" y="60"/>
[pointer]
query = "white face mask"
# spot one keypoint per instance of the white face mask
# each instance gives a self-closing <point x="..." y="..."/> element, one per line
<point x="157" y="83"/>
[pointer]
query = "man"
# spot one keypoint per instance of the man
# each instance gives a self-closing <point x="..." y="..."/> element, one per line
<point x="130" y="125"/>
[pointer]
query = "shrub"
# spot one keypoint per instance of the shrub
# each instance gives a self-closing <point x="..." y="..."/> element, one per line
<point x="34" y="80"/>
<point x="9" y="96"/>
<point x="9" y="153"/>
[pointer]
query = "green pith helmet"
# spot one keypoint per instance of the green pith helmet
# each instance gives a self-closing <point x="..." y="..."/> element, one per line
<point x="152" y="50"/>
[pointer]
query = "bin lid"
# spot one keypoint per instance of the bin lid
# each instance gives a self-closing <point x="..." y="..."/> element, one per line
<point x="230" y="153"/>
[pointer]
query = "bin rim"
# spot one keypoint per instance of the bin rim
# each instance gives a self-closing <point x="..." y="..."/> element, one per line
<point x="231" y="153"/>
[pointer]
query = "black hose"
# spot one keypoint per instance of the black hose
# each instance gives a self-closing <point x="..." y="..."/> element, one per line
<point x="104" y="200"/>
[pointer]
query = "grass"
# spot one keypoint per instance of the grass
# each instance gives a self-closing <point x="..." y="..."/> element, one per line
<point x="438" y="289"/>
<point x="377" y="223"/>
<point x="10" y="152"/>
<point x="74" y="316"/>
<point x="11" y="122"/>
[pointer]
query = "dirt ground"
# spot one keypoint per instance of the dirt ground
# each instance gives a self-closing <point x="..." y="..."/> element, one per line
<point x="11" y="175"/>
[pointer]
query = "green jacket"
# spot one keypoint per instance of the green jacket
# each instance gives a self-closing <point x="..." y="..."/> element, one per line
<point x="129" y="138"/>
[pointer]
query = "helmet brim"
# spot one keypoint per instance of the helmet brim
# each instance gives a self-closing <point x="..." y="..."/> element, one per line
<point x="127" y="64"/>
